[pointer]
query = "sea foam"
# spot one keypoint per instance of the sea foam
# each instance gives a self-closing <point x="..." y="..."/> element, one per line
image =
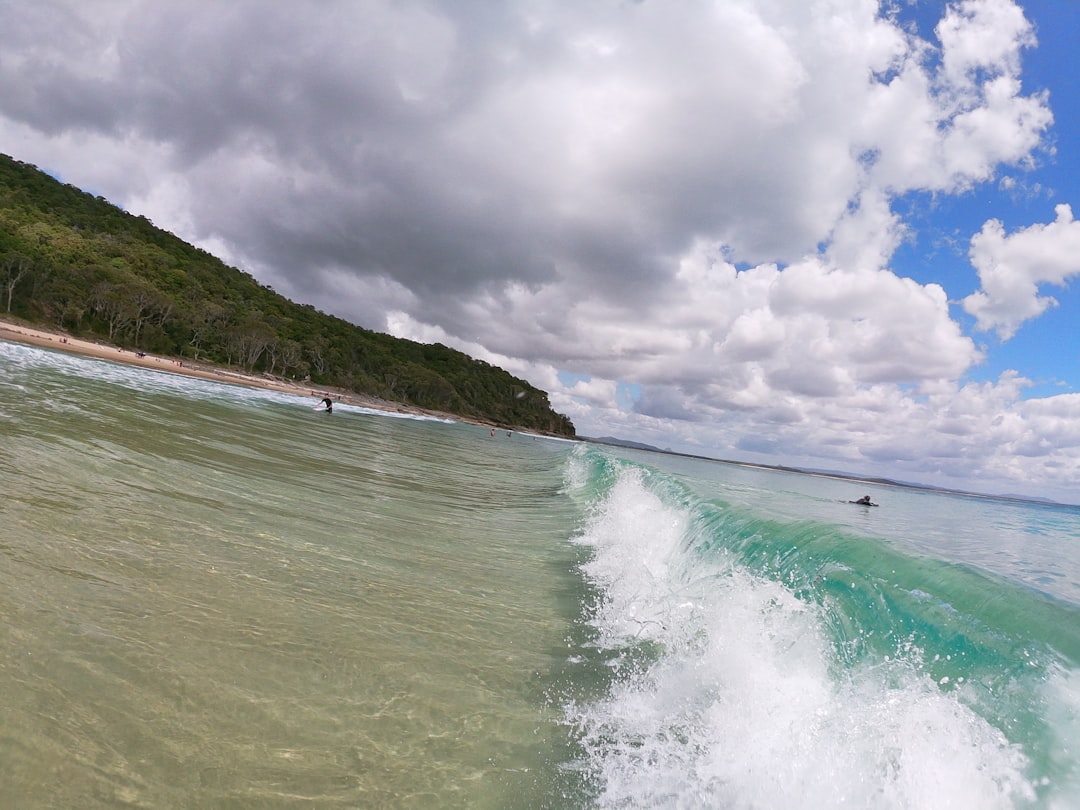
<point x="743" y="700"/>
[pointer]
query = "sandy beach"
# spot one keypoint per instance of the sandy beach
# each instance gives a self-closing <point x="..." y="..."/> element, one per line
<point x="21" y="333"/>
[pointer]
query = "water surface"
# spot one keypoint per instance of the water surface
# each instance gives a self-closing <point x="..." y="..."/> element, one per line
<point x="214" y="596"/>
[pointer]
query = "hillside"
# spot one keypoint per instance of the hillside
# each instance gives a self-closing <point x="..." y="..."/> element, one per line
<point x="75" y="262"/>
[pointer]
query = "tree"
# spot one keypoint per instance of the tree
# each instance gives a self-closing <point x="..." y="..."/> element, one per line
<point x="107" y="302"/>
<point x="286" y="353"/>
<point x="248" y="340"/>
<point x="206" y="324"/>
<point x="144" y="304"/>
<point x="316" y="348"/>
<point x="63" y="301"/>
<point x="13" y="269"/>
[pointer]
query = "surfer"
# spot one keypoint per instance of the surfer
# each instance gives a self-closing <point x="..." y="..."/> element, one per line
<point x="864" y="501"/>
<point x="329" y="403"/>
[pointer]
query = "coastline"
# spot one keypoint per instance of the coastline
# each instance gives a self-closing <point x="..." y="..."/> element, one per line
<point x="35" y="336"/>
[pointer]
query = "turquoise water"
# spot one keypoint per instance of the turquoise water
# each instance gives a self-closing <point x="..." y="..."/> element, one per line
<point x="773" y="646"/>
<point x="213" y="596"/>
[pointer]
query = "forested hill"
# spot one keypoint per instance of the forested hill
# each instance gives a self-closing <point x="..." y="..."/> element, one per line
<point x="76" y="262"/>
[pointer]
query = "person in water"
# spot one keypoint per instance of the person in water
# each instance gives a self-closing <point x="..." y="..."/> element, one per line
<point x="864" y="501"/>
<point x="329" y="403"/>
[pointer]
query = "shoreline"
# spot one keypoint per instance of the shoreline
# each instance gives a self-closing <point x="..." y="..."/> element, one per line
<point x="46" y="339"/>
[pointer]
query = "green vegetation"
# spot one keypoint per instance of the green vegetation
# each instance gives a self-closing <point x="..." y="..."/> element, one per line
<point x="80" y="264"/>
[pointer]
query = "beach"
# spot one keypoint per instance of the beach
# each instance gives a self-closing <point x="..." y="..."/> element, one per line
<point x="35" y="336"/>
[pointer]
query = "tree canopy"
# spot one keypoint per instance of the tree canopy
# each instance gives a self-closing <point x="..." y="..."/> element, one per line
<point x="78" y="263"/>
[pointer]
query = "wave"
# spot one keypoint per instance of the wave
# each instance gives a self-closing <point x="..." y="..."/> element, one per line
<point x="749" y="661"/>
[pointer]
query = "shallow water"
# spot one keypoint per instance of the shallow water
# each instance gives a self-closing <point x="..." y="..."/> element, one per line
<point x="216" y="596"/>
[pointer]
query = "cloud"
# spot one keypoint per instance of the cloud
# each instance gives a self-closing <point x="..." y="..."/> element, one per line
<point x="458" y="151"/>
<point x="697" y="198"/>
<point x="599" y="393"/>
<point x="982" y="36"/>
<point x="1011" y="268"/>
<point x="988" y="432"/>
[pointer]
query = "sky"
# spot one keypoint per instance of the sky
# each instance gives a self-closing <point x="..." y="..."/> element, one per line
<point x="831" y="234"/>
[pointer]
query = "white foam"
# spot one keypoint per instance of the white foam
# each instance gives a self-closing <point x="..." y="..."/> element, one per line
<point x="746" y="705"/>
<point x="1062" y="696"/>
<point x="633" y="524"/>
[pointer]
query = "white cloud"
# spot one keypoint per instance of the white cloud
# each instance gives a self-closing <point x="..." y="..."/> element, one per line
<point x="1011" y="268"/>
<point x="982" y="35"/>
<point x="697" y="198"/>
<point x="599" y="393"/>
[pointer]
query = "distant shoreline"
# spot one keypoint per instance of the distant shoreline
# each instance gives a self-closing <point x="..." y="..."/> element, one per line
<point x="35" y="336"/>
<point x="838" y="476"/>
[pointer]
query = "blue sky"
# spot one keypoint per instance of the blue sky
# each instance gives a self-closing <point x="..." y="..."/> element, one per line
<point x="1047" y="349"/>
<point x="804" y="232"/>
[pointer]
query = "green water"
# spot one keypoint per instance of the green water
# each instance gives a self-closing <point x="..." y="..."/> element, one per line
<point x="212" y="596"/>
<point x="228" y="600"/>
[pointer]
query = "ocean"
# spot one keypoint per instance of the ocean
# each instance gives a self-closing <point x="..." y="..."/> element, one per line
<point x="216" y="596"/>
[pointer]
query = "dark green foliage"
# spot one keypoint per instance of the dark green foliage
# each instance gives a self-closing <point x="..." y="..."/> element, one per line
<point x="74" y="261"/>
